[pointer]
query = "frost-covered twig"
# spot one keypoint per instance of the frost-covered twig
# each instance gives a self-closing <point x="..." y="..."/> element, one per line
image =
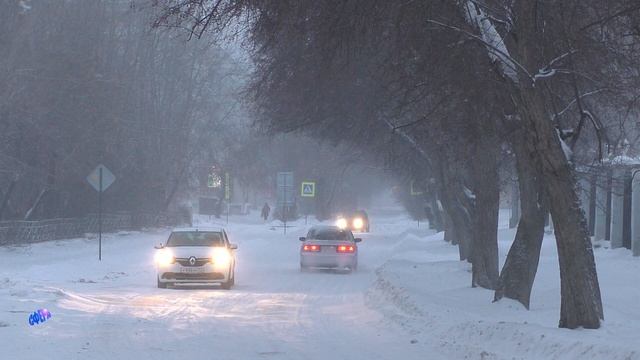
<point x="561" y="112"/>
<point x="548" y="70"/>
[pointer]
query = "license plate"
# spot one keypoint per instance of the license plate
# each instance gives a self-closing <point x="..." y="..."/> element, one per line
<point x="191" y="270"/>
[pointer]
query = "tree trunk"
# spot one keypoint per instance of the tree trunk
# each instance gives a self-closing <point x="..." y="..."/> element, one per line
<point x="437" y="216"/>
<point x="33" y="207"/>
<point x="521" y="265"/>
<point x="484" y="249"/>
<point x="459" y="209"/>
<point x="581" y="304"/>
<point x="176" y="185"/>
<point x="449" y="230"/>
<point x="464" y="235"/>
<point x="6" y="197"/>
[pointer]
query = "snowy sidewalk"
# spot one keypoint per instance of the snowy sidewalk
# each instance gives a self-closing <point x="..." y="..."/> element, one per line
<point x="427" y="290"/>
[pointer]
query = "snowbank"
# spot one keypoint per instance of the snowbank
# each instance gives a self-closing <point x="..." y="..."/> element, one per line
<point x="426" y="290"/>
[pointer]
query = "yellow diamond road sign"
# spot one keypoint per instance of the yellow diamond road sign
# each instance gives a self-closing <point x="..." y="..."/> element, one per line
<point x="308" y="189"/>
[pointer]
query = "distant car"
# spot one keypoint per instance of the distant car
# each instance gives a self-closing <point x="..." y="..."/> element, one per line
<point x="196" y="256"/>
<point x="357" y="221"/>
<point x="329" y="247"/>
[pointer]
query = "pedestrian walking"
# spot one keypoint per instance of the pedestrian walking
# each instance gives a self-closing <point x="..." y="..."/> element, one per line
<point x="265" y="211"/>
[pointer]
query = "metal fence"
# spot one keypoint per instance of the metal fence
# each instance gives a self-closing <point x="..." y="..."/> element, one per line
<point x="24" y="232"/>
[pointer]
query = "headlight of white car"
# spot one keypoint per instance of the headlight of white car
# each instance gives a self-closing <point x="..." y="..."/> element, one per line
<point x="358" y="223"/>
<point x="221" y="257"/>
<point x="164" y="257"/>
<point x="342" y="223"/>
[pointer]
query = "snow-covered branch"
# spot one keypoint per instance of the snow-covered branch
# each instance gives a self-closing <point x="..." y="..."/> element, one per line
<point x="498" y="51"/>
<point x="549" y="70"/>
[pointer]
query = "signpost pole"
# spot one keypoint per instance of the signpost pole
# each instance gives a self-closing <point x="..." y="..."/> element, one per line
<point x="100" y="216"/>
<point x="284" y="206"/>
<point x="286" y="196"/>
<point x="227" y="193"/>
<point x="100" y="179"/>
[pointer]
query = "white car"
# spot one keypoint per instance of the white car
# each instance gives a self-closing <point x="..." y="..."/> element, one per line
<point x="196" y="256"/>
<point x="329" y="247"/>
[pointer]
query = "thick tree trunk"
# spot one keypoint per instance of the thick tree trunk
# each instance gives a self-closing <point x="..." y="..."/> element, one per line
<point x="461" y="218"/>
<point x="484" y="251"/>
<point x="521" y="265"/>
<point x="459" y="227"/>
<point x="458" y="207"/>
<point x="581" y="304"/>
<point x="463" y="233"/>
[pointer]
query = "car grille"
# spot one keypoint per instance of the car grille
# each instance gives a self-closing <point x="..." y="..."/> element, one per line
<point x="199" y="261"/>
<point x="197" y="276"/>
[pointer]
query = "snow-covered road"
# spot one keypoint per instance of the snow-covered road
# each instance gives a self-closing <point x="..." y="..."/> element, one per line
<point x="113" y="310"/>
<point x="410" y="299"/>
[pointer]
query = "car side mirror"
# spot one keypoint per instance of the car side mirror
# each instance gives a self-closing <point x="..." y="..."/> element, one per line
<point x="302" y="238"/>
<point x="233" y="246"/>
<point x="357" y="240"/>
<point x="159" y="246"/>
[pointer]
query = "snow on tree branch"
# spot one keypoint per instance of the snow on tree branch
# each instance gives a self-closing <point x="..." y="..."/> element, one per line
<point x="549" y="70"/>
<point x="24" y="5"/>
<point x="498" y="51"/>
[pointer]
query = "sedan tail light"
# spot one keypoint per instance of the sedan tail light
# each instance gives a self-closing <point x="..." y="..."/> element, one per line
<point x="313" y="248"/>
<point x="345" y="248"/>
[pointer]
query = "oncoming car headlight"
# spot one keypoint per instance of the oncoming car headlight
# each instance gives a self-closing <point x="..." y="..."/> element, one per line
<point x="358" y="223"/>
<point x="164" y="257"/>
<point x="220" y="257"/>
<point x="342" y="223"/>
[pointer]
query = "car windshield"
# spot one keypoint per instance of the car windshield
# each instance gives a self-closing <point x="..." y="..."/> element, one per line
<point x="328" y="234"/>
<point x="360" y="213"/>
<point x="195" y="238"/>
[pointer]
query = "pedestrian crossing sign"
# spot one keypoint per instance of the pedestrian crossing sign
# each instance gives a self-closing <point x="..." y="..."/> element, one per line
<point x="308" y="189"/>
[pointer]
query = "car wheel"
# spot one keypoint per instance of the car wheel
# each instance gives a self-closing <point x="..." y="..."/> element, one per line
<point x="229" y="283"/>
<point x="161" y="285"/>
